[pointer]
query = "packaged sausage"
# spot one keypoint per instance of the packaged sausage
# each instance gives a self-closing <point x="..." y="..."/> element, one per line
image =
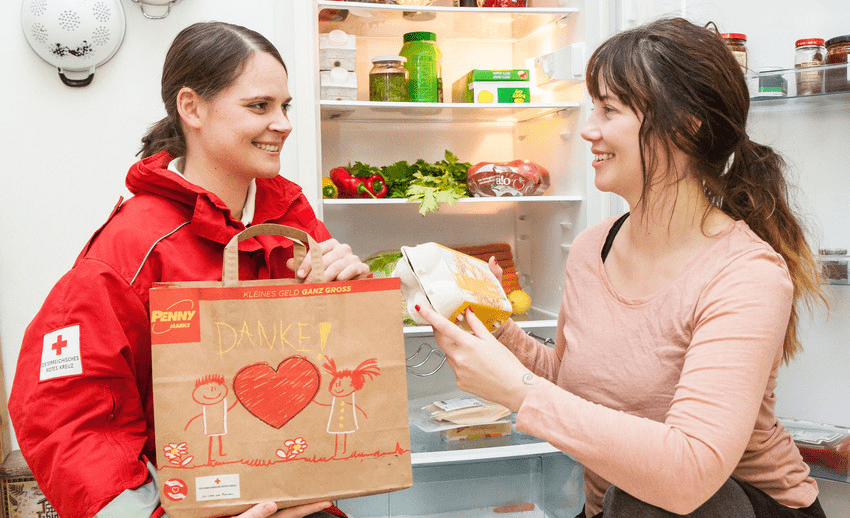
<point x="449" y="282"/>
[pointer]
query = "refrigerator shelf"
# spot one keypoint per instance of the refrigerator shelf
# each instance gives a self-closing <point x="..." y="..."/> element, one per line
<point x="463" y="201"/>
<point x="418" y="113"/>
<point x="478" y="23"/>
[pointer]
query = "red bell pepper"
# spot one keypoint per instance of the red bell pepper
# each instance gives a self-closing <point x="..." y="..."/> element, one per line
<point x="354" y="187"/>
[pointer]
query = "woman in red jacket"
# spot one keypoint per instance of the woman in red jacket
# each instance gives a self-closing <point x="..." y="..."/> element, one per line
<point x="208" y="169"/>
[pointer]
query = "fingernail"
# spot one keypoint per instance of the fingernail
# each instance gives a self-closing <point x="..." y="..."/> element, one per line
<point x="416" y="307"/>
<point x="301" y="273"/>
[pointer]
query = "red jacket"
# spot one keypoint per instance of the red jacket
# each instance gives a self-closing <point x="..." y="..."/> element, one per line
<point x="87" y="436"/>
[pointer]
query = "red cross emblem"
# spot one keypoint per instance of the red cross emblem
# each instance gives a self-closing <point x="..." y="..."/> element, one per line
<point x="59" y="345"/>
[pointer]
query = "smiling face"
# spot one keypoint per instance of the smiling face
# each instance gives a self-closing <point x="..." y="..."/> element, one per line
<point x="613" y="131"/>
<point x="209" y="393"/>
<point x="243" y="128"/>
<point x="341" y="386"/>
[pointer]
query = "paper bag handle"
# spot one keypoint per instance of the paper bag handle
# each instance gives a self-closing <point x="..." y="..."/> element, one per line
<point x="230" y="268"/>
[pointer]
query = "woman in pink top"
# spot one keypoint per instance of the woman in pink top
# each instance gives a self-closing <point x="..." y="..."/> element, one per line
<point x="676" y="316"/>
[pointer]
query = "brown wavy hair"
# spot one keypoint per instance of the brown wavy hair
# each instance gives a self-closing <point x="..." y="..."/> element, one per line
<point x="694" y="97"/>
<point x="206" y="57"/>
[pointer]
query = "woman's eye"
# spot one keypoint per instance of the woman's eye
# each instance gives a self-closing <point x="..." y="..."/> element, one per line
<point x="258" y="106"/>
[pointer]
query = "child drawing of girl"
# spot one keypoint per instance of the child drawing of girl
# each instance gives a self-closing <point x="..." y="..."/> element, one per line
<point x="344" y="383"/>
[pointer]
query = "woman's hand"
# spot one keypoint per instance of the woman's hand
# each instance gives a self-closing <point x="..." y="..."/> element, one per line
<point x="339" y="261"/>
<point x="269" y="509"/>
<point x="482" y="365"/>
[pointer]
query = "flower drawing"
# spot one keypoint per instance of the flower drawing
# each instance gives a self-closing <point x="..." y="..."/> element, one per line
<point x="294" y="448"/>
<point x="177" y="454"/>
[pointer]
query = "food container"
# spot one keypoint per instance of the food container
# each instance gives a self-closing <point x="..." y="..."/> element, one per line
<point x="388" y="79"/>
<point x="833" y="264"/>
<point x="501" y="3"/>
<point x="772" y="82"/>
<point x="515" y="178"/>
<point x="337" y="84"/>
<point x="809" y="53"/>
<point x="824" y="447"/>
<point x="423" y="66"/>
<point x="449" y="282"/>
<point x="337" y="49"/>
<point x="492" y="86"/>
<point x="837" y="51"/>
<point x="22" y="497"/>
<point x="737" y="44"/>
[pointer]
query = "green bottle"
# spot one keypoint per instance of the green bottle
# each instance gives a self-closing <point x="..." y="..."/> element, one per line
<point x="422" y="66"/>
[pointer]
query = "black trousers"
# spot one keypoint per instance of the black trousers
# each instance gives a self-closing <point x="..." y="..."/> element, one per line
<point x="763" y="506"/>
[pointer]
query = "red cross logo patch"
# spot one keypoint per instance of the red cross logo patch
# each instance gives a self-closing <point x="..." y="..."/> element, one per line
<point x="60" y="353"/>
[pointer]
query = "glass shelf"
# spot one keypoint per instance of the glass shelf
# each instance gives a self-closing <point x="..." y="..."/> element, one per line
<point x="418" y="113"/>
<point x="799" y="83"/>
<point x="462" y="201"/>
<point x="428" y="448"/>
<point x="478" y="23"/>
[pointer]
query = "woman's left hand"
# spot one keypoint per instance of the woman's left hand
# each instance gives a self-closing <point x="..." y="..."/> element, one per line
<point x="339" y="261"/>
<point x="482" y="365"/>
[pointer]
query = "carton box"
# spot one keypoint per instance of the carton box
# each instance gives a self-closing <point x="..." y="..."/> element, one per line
<point x="492" y="86"/>
<point x="21" y="495"/>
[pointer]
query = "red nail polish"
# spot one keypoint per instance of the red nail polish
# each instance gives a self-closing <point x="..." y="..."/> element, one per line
<point x="416" y="307"/>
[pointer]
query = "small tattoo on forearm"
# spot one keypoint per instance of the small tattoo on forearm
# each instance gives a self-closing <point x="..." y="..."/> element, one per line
<point x="528" y="378"/>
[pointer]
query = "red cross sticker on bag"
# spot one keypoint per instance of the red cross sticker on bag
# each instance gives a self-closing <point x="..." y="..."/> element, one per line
<point x="60" y="353"/>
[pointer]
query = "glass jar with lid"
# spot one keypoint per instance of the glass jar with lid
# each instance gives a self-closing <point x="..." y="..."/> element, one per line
<point x="809" y="53"/>
<point x="737" y="44"/>
<point x="388" y="79"/>
<point x="838" y="51"/>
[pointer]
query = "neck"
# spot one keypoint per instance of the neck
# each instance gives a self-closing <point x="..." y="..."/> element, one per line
<point x="231" y="189"/>
<point x="676" y="215"/>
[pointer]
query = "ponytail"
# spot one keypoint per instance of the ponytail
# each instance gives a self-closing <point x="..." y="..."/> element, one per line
<point x="754" y="189"/>
<point x="165" y="134"/>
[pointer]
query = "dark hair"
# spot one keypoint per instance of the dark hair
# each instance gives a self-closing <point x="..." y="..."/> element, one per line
<point x="206" y="57"/>
<point x="693" y="96"/>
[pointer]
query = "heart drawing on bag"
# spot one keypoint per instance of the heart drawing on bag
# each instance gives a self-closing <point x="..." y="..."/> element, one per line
<point x="275" y="396"/>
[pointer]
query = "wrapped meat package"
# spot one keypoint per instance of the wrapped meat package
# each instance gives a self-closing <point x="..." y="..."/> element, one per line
<point x="515" y="178"/>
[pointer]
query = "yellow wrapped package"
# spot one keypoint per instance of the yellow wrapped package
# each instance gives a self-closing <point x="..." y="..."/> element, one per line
<point x="449" y="282"/>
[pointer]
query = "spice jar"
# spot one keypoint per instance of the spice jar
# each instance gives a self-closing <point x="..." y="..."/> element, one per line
<point x="834" y="265"/>
<point x="809" y="53"/>
<point x="837" y="51"/>
<point x="737" y="44"/>
<point x="388" y="79"/>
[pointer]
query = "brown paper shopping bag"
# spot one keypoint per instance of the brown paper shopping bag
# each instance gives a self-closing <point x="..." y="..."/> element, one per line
<point x="274" y="389"/>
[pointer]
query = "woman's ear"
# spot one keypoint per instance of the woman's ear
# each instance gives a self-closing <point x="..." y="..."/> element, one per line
<point x="189" y="107"/>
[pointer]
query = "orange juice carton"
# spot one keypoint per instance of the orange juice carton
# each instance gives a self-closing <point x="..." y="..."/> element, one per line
<point x="449" y="282"/>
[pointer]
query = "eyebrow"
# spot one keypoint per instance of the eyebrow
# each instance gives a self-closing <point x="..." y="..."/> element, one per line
<point x="266" y="98"/>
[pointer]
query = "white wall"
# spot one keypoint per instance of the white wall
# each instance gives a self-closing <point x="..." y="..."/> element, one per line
<point x="67" y="150"/>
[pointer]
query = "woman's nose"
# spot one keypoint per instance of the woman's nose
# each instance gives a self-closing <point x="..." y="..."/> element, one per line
<point x="281" y="124"/>
<point x="590" y="132"/>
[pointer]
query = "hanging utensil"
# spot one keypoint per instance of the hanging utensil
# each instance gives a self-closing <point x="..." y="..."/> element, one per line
<point x="75" y="36"/>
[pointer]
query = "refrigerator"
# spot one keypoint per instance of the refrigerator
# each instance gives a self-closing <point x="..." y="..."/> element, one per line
<point x="519" y="475"/>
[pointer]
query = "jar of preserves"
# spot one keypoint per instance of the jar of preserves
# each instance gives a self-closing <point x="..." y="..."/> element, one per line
<point x="737" y="44"/>
<point x="809" y="53"/>
<point x="422" y="65"/>
<point x="837" y="79"/>
<point x="388" y="79"/>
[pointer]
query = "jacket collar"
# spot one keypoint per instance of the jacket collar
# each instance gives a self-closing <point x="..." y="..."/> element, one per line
<point x="211" y="218"/>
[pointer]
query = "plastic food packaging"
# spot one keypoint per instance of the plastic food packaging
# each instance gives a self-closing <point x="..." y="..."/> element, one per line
<point x="515" y="178"/>
<point x="449" y="282"/>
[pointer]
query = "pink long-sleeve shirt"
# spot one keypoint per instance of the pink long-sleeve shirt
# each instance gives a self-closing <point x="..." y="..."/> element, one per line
<point x="669" y="395"/>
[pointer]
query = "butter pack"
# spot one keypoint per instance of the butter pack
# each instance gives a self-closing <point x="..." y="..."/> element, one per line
<point x="449" y="282"/>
